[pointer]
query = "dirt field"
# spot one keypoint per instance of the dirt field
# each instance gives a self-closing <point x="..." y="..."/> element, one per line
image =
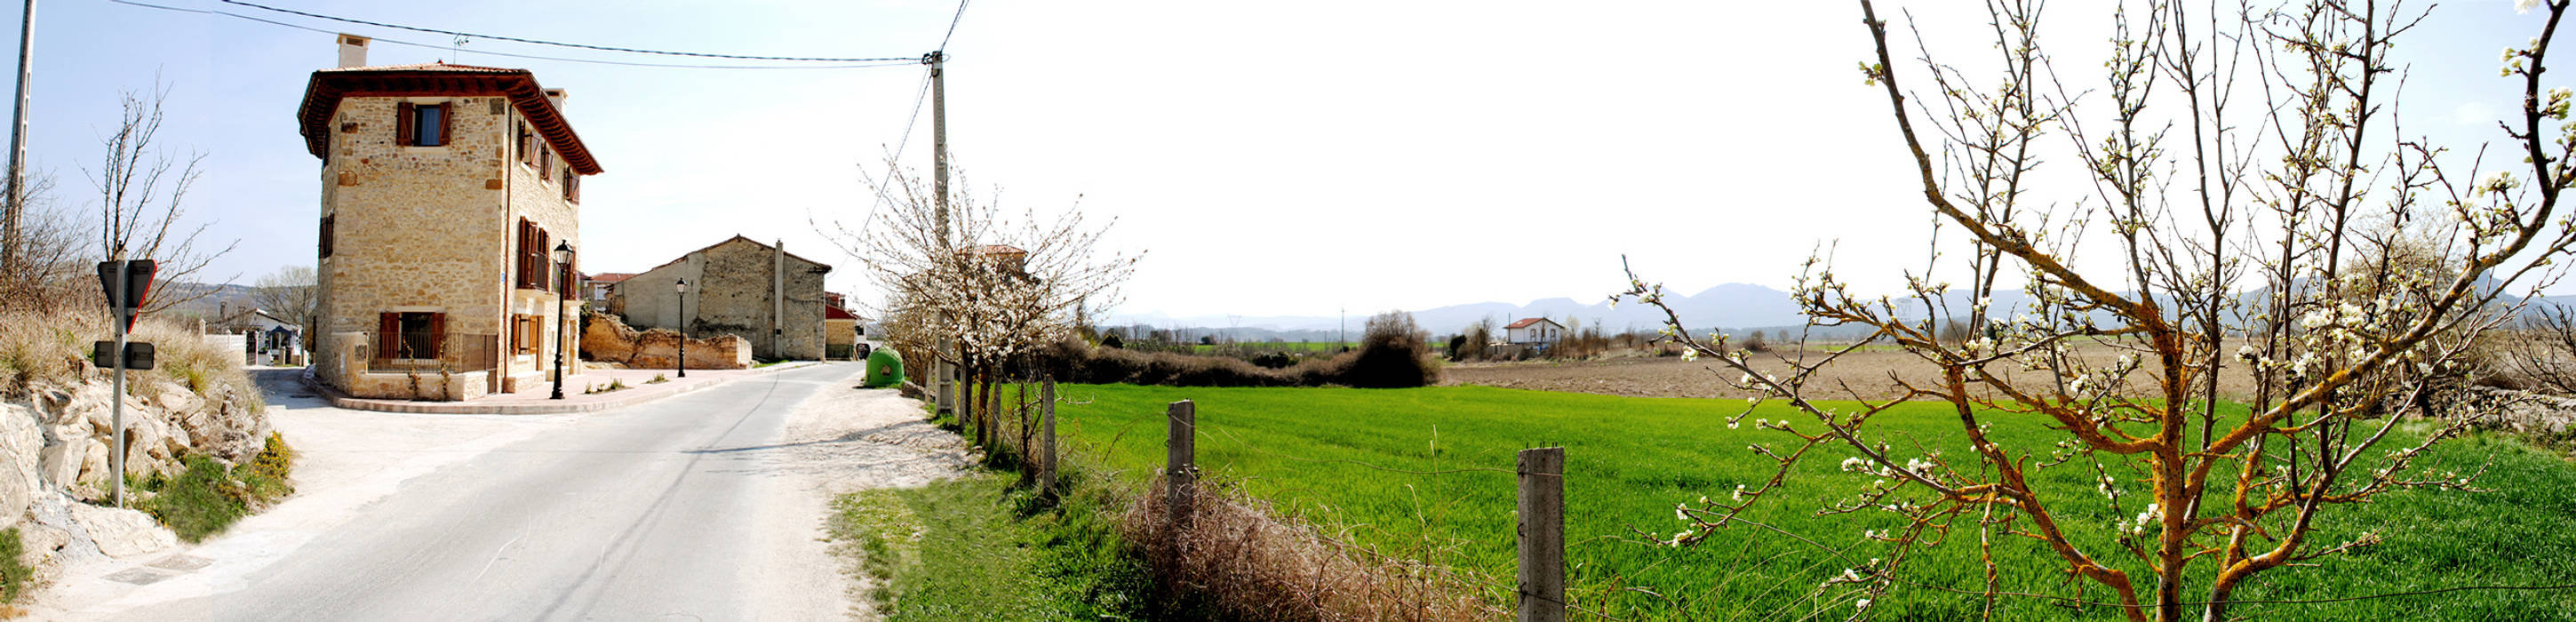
<point x="1859" y="375"/>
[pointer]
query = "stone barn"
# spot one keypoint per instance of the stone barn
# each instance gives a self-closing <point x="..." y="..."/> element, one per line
<point x="772" y="299"/>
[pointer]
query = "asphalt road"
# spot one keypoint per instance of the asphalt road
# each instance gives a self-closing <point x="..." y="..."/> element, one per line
<point x="673" y="510"/>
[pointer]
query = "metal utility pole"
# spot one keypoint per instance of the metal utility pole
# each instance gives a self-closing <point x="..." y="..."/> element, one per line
<point x="17" y="190"/>
<point x="116" y="302"/>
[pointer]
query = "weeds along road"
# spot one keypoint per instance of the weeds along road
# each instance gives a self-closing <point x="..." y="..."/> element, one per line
<point x="673" y="510"/>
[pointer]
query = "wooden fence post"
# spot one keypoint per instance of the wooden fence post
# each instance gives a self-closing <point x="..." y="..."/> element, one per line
<point x="1046" y="436"/>
<point x="1542" y="531"/>
<point x="1182" y="467"/>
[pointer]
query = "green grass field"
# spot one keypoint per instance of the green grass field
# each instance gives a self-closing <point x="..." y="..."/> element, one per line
<point x="1631" y="459"/>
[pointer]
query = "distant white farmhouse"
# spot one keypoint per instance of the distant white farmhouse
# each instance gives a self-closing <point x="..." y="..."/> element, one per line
<point x="1535" y="331"/>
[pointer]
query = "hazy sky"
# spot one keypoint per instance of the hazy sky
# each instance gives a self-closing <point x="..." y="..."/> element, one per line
<point x="1275" y="158"/>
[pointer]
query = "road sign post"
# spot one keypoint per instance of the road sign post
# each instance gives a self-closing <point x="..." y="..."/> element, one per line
<point x="127" y="284"/>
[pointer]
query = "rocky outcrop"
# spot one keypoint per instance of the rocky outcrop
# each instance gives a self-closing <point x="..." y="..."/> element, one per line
<point x="55" y="443"/>
<point x="612" y="341"/>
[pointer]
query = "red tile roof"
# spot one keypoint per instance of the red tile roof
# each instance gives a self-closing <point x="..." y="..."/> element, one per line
<point x="836" y="313"/>
<point x="611" y="277"/>
<point x="323" y="93"/>
<point x="1526" y="322"/>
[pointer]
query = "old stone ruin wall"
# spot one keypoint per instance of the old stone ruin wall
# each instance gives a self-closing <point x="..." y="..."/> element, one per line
<point x="608" y="340"/>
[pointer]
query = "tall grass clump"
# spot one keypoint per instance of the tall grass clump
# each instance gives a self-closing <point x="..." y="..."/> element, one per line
<point x="38" y="350"/>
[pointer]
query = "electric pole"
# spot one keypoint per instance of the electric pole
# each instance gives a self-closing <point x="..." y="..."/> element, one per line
<point x="17" y="191"/>
<point x="937" y="61"/>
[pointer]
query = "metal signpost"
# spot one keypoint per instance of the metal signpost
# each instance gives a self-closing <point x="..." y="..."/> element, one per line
<point x="128" y="284"/>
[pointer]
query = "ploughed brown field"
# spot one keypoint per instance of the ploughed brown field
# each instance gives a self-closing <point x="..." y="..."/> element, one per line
<point x="1867" y="374"/>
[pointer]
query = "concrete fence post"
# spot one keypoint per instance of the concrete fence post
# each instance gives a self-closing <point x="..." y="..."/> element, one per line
<point x="1542" y="535"/>
<point x="1182" y="468"/>
<point x="1046" y="438"/>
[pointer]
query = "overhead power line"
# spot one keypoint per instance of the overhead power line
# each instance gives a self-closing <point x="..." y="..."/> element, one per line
<point x="891" y="63"/>
<point x="943" y="39"/>
<point x="952" y="28"/>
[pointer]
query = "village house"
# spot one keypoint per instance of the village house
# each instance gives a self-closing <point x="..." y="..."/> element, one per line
<point x="772" y="299"/>
<point x="450" y="227"/>
<point x="600" y="291"/>
<point x="1534" y="331"/>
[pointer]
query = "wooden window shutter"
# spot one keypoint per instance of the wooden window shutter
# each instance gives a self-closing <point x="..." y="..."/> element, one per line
<point x="404" y="119"/>
<point x="437" y="334"/>
<point x="575" y="183"/>
<point x="447" y="123"/>
<point x="326" y="234"/>
<point x="388" y="335"/>
<point x="542" y="256"/>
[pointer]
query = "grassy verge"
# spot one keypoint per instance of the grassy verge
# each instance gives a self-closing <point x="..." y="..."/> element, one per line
<point x="205" y="497"/>
<point x="977" y="548"/>
<point x="1309" y="451"/>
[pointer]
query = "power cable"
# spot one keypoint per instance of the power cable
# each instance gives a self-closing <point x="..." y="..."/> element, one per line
<point x="952" y="29"/>
<point x="897" y="63"/>
<point x="943" y="39"/>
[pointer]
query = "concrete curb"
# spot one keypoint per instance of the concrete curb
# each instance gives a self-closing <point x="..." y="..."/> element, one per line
<point x="343" y="400"/>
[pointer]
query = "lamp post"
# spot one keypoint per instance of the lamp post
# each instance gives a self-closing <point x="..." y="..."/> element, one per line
<point x="563" y="292"/>
<point x="683" y="363"/>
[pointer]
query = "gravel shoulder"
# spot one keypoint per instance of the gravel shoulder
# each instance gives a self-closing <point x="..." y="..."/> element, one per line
<point x="842" y="440"/>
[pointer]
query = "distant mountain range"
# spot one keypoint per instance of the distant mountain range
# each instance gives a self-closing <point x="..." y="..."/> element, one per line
<point x="1733" y="308"/>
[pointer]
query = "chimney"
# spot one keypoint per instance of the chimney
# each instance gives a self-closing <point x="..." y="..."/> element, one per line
<point x="555" y="98"/>
<point x="353" y="50"/>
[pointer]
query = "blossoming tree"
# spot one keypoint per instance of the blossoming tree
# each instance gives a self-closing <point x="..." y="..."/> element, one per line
<point x="2254" y="210"/>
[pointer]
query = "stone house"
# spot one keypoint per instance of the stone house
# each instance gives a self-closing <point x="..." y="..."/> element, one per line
<point x="450" y="194"/>
<point x="760" y="292"/>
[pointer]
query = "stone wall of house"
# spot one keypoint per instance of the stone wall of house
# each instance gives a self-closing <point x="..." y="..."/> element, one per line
<point x="432" y="229"/>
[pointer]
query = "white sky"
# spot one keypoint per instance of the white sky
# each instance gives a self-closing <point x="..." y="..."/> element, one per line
<point x="1276" y="159"/>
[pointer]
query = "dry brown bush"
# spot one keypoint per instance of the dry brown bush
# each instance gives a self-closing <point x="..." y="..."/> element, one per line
<point x="1248" y="563"/>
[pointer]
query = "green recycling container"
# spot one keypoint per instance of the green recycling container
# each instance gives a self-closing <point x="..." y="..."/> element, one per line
<point x="885" y="368"/>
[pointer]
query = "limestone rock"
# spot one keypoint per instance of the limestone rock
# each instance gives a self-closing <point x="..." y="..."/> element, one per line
<point x="22" y="445"/>
<point x="610" y="340"/>
<point x="123" y="533"/>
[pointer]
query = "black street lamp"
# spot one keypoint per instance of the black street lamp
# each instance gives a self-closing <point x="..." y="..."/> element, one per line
<point x="563" y="258"/>
<point x="683" y="363"/>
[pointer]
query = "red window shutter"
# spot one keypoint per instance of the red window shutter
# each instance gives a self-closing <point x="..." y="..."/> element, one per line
<point x="446" y="123"/>
<point x="388" y="335"/>
<point x="404" y="119"/>
<point x="437" y="334"/>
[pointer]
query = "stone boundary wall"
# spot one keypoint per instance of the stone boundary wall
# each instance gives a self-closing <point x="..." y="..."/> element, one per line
<point x="2521" y="412"/>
